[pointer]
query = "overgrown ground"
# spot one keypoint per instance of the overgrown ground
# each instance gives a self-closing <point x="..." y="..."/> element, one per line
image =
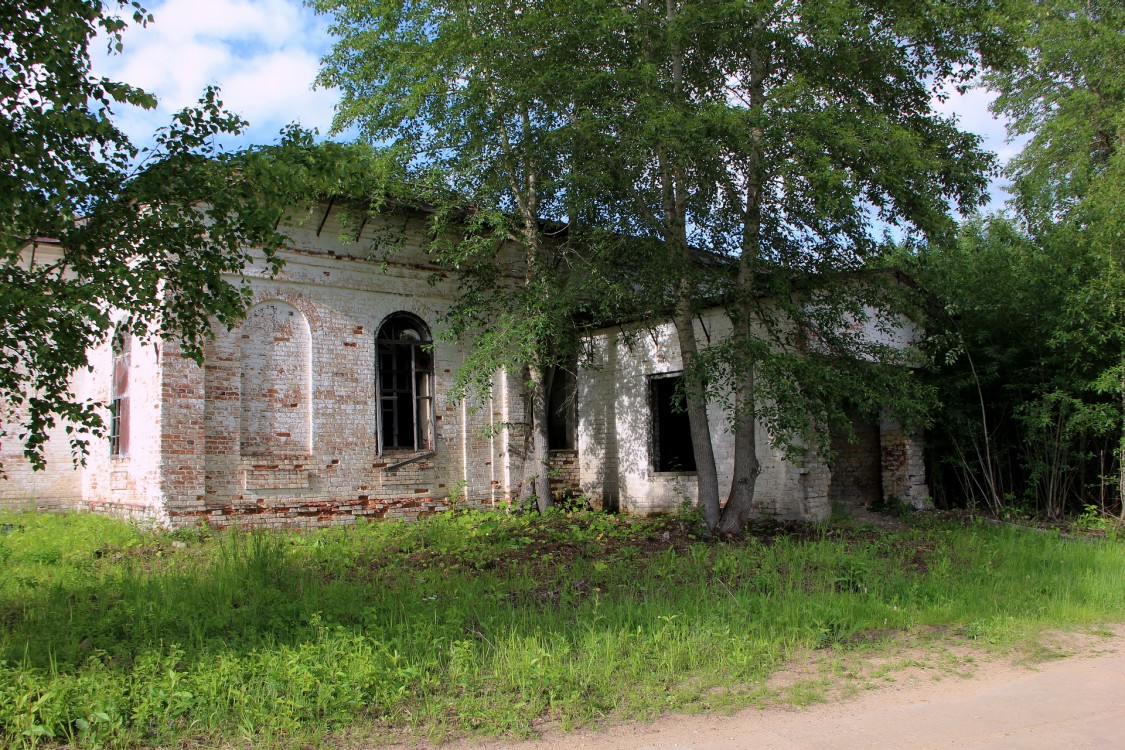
<point x="482" y="623"/>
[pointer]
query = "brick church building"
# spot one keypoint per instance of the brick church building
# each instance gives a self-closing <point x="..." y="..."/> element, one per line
<point x="331" y="402"/>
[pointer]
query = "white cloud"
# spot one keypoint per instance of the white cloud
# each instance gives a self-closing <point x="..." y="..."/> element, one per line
<point x="264" y="54"/>
<point x="266" y="87"/>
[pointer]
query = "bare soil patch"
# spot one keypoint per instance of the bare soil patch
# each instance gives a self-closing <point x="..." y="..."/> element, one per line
<point x="840" y="690"/>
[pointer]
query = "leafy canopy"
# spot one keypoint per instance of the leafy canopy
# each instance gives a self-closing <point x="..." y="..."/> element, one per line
<point x="95" y="232"/>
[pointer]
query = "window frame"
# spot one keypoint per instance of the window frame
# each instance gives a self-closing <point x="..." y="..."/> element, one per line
<point x="121" y="348"/>
<point x="424" y="409"/>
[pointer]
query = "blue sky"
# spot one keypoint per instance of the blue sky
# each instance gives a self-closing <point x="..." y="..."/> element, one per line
<point x="265" y="54"/>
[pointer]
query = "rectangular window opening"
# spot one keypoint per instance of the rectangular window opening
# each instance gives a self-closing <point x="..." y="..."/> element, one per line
<point x="671" y="430"/>
<point x="119" y="400"/>
<point x="115" y="427"/>
<point x="562" y="411"/>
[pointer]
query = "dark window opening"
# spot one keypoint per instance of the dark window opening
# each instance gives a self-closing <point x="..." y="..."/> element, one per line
<point x="562" y="414"/>
<point x="671" y="431"/>
<point x="404" y="385"/>
<point x="119" y="395"/>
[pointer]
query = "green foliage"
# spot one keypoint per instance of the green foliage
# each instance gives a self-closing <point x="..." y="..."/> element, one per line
<point x="1092" y="518"/>
<point x="772" y="110"/>
<point x="804" y="397"/>
<point x="1032" y="336"/>
<point x="1070" y="97"/>
<point x="94" y="232"/>
<point x="772" y="137"/>
<point x="744" y="149"/>
<point x="480" y="97"/>
<point x="479" y="622"/>
<point x="1022" y="415"/>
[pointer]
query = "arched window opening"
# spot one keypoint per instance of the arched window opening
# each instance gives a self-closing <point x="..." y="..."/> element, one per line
<point x="119" y="394"/>
<point x="404" y="385"/>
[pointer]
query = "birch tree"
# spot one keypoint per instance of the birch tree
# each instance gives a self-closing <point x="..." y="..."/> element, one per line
<point x="779" y="136"/>
<point x="482" y="94"/>
<point x="786" y="136"/>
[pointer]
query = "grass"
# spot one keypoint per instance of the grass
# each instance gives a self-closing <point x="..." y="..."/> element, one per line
<point x="482" y="623"/>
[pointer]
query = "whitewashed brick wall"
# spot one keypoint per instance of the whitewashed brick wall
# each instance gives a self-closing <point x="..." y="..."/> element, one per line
<point x="332" y="473"/>
<point x="278" y="426"/>
<point x="615" y="434"/>
<point x="127" y="485"/>
<point x="23" y="489"/>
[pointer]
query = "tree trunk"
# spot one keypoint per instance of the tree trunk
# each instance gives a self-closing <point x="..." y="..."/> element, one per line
<point x="707" y="477"/>
<point x="537" y="467"/>
<point x="527" y="481"/>
<point x="746" y="464"/>
<point x="674" y="207"/>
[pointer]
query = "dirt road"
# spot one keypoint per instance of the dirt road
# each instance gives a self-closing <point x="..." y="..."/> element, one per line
<point x="1072" y="702"/>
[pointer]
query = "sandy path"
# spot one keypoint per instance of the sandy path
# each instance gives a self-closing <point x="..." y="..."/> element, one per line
<point x="1073" y="702"/>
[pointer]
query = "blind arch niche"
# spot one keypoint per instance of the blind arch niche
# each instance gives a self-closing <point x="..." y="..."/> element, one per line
<point x="276" y="381"/>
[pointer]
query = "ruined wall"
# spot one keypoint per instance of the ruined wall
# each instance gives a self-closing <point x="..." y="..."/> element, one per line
<point x="884" y="464"/>
<point x="597" y="424"/>
<point x="279" y="426"/>
<point x="857" y="465"/>
<point x="903" y="465"/>
<point x="56" y="488"/>
<point x="616" y="436"/>
<point x="275" y="381"/>
<point x="23" y="488"/>
<point x="566" y="475"/>
<point x="126" y="484"/>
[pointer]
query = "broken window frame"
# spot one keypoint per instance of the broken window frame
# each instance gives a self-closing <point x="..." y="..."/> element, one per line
<point x="119" y="395"/>
<point x="392" y="341"/>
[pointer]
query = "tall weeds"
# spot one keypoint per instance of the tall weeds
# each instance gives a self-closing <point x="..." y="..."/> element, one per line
<point x="111" y="637"/>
